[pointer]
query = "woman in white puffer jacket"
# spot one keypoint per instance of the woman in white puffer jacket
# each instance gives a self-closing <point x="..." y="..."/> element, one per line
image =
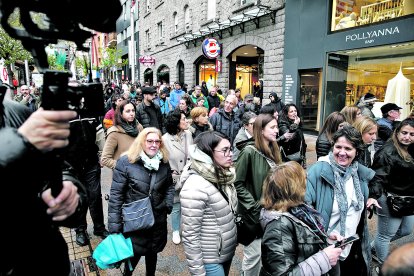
<point x="208" y="205"/>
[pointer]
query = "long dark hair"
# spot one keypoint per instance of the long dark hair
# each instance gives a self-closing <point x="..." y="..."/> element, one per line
<point x="118" y="119"/>
<point x="285" y="111"/>
<point x="207" y="142"/>
<point x="401" y="151"/>
<point x="270" y="150"/>
<point x="332" y="123"/>
<point x="172" y="121"/>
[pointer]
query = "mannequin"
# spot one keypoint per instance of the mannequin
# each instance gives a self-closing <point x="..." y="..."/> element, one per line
<point x="398" y="92"/>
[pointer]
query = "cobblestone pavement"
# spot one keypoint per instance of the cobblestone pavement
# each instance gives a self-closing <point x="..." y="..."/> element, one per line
<point x="172" y="260"/>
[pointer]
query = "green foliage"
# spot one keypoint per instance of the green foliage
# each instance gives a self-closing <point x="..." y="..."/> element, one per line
<point x="111" y="58"/>
<point x="12" y="50"/>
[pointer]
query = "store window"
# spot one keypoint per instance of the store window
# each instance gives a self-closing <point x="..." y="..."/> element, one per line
<point x="386" y="72"/>
<point x="207" y="73"/>
<point x="353" y="13"/>
<point x="309" y="97"/>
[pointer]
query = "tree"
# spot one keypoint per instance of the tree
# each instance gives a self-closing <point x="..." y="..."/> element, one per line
<point x="112" y="59"/>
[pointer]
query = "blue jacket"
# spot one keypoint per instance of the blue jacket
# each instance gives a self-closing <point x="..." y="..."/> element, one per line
<point x="320" y="195"/>
<point x="175" y="97"/>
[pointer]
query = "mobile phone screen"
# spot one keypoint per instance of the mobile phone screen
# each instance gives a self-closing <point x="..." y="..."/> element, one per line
<point x="346" y="241"/>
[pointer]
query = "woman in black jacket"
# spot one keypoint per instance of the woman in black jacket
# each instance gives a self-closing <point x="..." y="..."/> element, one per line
<point x="394" y="173"/>
<point x="147" y="158"/>
<point x="333" y="122"/>
<point x="294" y="240"/>
<point x="290" y="121"/>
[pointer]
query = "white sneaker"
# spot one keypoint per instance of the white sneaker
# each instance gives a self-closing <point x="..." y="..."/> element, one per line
<point x="176" y="237"/>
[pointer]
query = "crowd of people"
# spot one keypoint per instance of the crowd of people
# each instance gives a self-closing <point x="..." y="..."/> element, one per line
<point x="228" y="171"/>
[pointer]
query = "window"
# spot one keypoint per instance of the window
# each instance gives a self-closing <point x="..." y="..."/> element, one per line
<point x="160" y="31"/>
<point x="124" y="10"/>
<point x="187" y="16"/>
<point x="352" y="13"/>
<point x="211" y="9"/>
<point x="175" y="22"/>
<point x="147" y="38"/>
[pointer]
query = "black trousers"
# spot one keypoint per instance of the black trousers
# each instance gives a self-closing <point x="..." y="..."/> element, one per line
<point x="91" y="179"/>
<point x="150" y="264"/>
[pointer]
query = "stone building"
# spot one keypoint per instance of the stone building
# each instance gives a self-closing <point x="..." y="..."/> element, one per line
<point x="250" y="35"/>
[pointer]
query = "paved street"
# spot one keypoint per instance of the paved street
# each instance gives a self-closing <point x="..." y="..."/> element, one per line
<point x="172" y="260"/>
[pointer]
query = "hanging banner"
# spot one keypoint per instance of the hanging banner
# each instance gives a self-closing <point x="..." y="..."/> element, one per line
<point x="147" y="61"/>
<point x="218" y="65"/>
<point x="211" y="48"/>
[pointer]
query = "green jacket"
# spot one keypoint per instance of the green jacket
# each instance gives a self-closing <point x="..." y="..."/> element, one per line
<point x="251" y="171"/>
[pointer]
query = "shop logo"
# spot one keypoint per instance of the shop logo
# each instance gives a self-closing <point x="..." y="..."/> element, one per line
<point x="147" y="61"/>
<point x="211" y="48"/>
<point x="370" y="36"/>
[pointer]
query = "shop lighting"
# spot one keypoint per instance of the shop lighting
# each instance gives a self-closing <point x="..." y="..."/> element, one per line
<point x="400" y="45"/>
<point x="409" y="68"/>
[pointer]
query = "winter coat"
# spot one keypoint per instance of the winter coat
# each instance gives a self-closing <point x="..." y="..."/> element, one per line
<point x="131" y="182"/>
<point x="208" y="229"/>
<point x="144" y="118"/>
<point x="290" y="247"/>
<point x="178" y="156"/>
<point x="196" y="129"/>
<point x="320" y="195"/>
<point x="241" y="136"/>
<point x="392" y="173"/>
<point x="297" y="143"/>
<point x="117" y="142"/>
<point x="213" y="102"/>
<point x="26" y="169"/>
<point x="251" y="170"/>
<point x="228" y="124"/>
<point x="323" y="145"/>
<point x="385" y="130"/>
<point x="164" y="105"/>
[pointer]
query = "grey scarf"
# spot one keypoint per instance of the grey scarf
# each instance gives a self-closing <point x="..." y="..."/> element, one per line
<point x="342" y="175"/>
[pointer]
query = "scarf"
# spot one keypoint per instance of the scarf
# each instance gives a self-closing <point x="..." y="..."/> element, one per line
<point x="342" y="175"/>
<point x="151" y="163"/>
<point x="311" y="218"/>
<point x="130" y="128"/>
<point x="224" y="184"/>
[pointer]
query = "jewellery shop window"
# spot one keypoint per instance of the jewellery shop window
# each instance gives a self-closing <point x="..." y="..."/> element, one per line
<point x="353" y="13"/>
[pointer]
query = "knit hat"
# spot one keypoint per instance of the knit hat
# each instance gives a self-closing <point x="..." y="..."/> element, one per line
<point x="369" y="98"/>
<point x="388" y="107"/>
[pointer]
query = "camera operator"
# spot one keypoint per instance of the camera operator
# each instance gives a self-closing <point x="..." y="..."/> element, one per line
<point x="82" y="155"/>
<point x="30" y="215"/>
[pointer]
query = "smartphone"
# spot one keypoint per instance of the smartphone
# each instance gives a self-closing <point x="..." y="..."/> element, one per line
<point x="346" y="241"/>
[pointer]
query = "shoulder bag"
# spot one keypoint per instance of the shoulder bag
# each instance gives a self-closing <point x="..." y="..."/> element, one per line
<point x="297" y="156"/>
<point x="138" y="215"/>
<point x="400" y="206"/>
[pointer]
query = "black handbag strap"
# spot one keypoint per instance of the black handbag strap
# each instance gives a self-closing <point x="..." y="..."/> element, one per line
<point x="152" y="184"/>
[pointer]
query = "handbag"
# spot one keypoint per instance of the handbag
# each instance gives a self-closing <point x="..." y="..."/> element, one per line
<point x="248" y="226"/>
<point x="297" y="156"/>
<point x="112" y="251"/>
<point x="400" y="205"/>
<point x="138" y="215"/>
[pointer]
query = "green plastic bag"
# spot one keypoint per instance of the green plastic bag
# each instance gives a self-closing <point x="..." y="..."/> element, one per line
<point x="112" y="251"/>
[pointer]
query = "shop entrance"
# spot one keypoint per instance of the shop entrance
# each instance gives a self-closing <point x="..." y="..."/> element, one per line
<point x="246" y="68"/>
<point x="206" y="71"/>
<point x="309" y="97"/>
<point x="148" y="76"/>
<point x="163" y="73"/>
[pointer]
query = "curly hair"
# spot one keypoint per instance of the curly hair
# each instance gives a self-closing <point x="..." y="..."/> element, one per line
<point x="353" y="136"/>
<point x="172" y="121"/>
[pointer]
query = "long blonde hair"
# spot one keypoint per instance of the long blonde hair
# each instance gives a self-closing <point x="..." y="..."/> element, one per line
<point x="260" y="143"/>
<point x="138" y="145"/>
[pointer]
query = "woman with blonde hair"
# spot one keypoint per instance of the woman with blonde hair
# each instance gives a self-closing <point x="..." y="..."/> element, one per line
<point x="254" y="162"/>
<point x="286" y="220"/>
<point x="144" y="165"/>
<point x="351" y="113"/>
<point x="199" y="124"/>
<point x="368" y="128"/>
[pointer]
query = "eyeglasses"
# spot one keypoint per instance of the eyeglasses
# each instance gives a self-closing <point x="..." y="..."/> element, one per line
<point x="152" y="142"/>
<point x="226" y="151"/>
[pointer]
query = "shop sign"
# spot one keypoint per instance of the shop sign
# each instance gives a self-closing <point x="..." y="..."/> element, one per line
<point x="147" y="61"/>
<point x="211" y="48"/>
<point x="370" y="36"/>
<point x="3" y="72"/>
<point x="218" y="65"/>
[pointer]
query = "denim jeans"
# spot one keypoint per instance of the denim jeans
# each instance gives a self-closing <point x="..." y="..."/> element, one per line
<point x="251" y="264"/>
<point x="176" y="217"/>
<point x="389" y="228"/>
<point x="218" y="269"/>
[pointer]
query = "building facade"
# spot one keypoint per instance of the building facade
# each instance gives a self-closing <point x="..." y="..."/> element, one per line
<point x="250" y="35"/>
<point x="338" y="50"/>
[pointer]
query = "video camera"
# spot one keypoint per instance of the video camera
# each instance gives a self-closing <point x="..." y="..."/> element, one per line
<point x="70" y="20"/>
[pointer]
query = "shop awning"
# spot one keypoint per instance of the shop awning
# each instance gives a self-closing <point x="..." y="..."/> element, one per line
<point x="237" y="20"/>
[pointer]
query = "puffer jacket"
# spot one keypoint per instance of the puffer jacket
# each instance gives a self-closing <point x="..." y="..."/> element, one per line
<point x="289" y="247"/>
<point x="208" y="229"/>
<point x="228" y="124"/>
<point x="132" y="182"/>
<point x="323" y="146"/>
<point x="144" y="118"/>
